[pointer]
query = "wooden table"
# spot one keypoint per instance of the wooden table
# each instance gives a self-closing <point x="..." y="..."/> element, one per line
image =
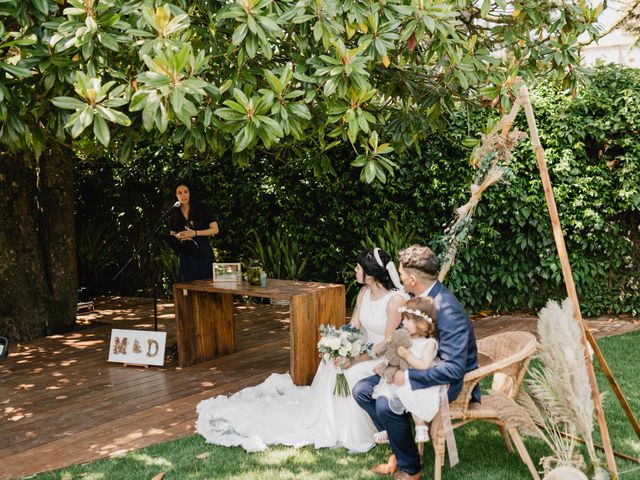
<point x="205" y="327"/>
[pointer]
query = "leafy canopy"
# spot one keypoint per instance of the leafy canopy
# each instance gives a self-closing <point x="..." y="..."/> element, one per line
<point x="295" y="78"/>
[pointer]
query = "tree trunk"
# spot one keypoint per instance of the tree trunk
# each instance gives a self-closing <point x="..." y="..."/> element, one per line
<point x="38" y="284"/>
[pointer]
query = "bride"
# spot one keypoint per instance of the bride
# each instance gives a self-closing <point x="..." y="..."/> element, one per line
<point x="279" y="412"/>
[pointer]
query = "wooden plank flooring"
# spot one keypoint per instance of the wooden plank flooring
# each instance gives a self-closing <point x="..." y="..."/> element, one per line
<point x="62" y="403"/>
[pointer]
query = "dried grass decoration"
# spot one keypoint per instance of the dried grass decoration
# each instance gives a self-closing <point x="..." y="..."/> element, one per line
<point x="491" y="159"/>
<point x="557" y="396"/>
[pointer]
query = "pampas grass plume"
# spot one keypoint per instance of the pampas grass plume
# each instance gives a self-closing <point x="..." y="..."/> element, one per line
<point x="563" y="355"/>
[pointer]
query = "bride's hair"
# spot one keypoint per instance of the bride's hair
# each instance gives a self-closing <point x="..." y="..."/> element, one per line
<point x="370" y="266"/>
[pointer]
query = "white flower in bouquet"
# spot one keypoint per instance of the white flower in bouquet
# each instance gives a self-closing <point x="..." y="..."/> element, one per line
<point x="334" y="343"/>
<point x="345" y="343"/>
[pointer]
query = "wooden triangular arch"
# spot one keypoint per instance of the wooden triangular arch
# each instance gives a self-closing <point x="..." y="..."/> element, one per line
<point x="506" y="140"/>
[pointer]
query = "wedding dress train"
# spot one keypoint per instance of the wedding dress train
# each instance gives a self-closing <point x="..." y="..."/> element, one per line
<point x="279" y="412"/>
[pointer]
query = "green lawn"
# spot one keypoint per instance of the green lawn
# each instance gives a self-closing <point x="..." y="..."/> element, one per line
<point x="482" y="452"/>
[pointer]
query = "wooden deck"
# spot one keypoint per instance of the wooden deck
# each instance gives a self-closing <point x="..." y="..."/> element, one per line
<point x="62" y="403"/>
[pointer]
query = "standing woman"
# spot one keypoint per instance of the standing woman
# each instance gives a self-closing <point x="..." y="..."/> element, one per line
<point x="192" y="225"/>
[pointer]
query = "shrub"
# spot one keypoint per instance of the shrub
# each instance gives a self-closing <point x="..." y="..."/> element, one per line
<point x="508" y="261"/>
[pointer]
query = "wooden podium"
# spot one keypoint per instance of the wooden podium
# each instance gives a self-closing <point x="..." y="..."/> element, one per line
<point x="205" y="326"/>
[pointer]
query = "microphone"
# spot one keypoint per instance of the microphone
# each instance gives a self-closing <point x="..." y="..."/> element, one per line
<point x="175" y="205"/>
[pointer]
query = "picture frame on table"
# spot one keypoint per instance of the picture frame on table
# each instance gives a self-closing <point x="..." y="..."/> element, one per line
<point x="227" y="272"/>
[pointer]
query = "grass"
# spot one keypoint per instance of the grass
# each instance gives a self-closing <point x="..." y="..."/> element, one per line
<point x="483" y="455"/>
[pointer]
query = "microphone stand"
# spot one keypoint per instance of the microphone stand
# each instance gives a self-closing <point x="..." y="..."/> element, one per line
<point x="147" y="242"/>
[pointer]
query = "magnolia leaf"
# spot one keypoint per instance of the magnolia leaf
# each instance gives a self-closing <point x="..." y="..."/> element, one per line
<point x="207" y="117"/>
<point x="251" y="46"/>
<point x="274" y="82"/>
<point x="41" y="5"/>
<point x="77" y="128"/>
<point x="114" y="102"/>
<point x="177" y="24"/>
<point x="352" y="130"/>
<point x="138" y="101"/>
<point x="101" y="130"/>
<point x="149" y="112"/>
<point x="108" y="41"/>
<point x="74" y="11"/>
<point x="362" y="123"/>
<point x="106" y="113"/>
<point x="230" y="115"/>
<point x="360" y="160"/>
<point x="86" y="117"/>
<point x="21" y="42"/>
<point x="269" y="24"/>
<point x="239" y="34"/>
<point x="241" y="98"/>
<point x="121" y="118"/>
<point x="177" y="101"/>
<point x="125" y="150"/>
<point x="16" y="70"/>
<point x="237" y="107"/>
<point x="369" y="172"/>
<point x="300" y="110"/>
<point x="244" y="138"/>
<point x="273" y="127"/>
<point x="68" y="103"/>
<point x="253" y="26"/>
<point x="373" y="140"/>
<point x="226" y="85"/>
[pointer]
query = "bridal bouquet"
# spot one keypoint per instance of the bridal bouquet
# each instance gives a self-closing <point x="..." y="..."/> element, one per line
<point x="344" y="343"/>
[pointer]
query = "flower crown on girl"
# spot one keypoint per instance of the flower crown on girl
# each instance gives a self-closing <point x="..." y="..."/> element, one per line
<point x="417" y="313"/>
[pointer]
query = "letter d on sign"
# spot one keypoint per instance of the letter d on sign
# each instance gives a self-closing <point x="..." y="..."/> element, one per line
<point x="155" y="351"/>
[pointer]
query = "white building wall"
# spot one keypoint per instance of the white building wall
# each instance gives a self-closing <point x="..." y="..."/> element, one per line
<point x="616" y="47"/>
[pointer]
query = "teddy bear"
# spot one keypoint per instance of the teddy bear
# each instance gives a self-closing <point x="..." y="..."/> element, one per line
<point x="392" y="361"/>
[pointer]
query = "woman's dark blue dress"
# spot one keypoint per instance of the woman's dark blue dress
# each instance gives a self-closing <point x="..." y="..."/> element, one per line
<point x="196" y="257"/>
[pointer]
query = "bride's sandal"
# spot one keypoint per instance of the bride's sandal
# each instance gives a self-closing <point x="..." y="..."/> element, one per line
<point x="422" y="433"/>
<point x="381" y="437"/>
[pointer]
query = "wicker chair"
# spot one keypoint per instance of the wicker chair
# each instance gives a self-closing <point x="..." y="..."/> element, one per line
<point x="505" y="356"/>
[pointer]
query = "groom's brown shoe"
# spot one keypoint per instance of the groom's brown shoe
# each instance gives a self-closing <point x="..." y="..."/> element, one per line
<point x="387" y="468"/>
<point x="402" y="475"/>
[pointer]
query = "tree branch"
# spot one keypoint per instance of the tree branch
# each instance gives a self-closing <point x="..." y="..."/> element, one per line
<point x="633" y="5"/>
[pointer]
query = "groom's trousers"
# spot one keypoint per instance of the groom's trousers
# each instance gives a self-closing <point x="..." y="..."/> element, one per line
<point x="398" y="427"/>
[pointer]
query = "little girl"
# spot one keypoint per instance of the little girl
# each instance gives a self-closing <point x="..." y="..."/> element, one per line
<point x="419" y="319"/>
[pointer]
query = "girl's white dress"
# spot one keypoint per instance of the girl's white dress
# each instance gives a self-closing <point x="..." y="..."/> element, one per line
<point x="279" y="412"/>
<point x="424" y="402"/>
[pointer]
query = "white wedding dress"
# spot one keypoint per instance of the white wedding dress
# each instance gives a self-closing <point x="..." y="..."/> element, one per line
<point x="279" y="412"/>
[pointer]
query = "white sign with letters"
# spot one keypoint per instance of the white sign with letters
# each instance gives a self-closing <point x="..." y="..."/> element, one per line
<point x="139" y="347"/>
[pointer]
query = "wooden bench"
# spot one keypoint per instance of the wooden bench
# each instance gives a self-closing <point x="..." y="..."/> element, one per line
<point x="205" y="326"/>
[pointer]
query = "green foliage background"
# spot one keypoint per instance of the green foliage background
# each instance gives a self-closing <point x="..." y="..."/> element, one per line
<point x="508" y="261"/>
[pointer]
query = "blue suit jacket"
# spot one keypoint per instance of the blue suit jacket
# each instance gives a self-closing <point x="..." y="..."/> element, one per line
<point x="457" y="347"/>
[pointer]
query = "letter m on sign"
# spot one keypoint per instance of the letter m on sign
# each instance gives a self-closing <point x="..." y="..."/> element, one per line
<point x="120" y="346"/>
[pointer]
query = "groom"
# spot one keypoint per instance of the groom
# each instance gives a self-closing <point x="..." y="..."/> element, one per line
<point x="457" y="352"/>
